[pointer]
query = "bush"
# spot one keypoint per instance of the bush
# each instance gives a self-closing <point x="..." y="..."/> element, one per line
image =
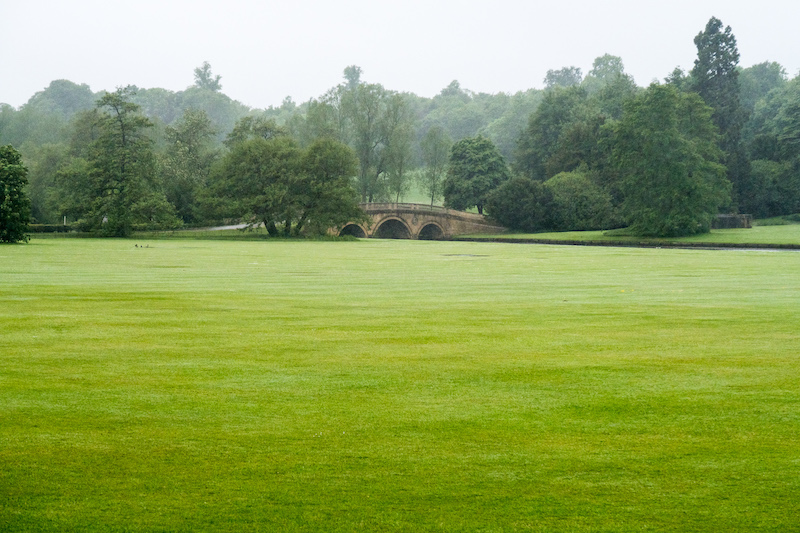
<point x="49" y="228"/>
<point x="521" y="204"/>
<point x="579" y="203"/>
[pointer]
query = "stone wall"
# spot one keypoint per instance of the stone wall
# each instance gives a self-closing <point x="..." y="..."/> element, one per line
<point x="732" y="221"/>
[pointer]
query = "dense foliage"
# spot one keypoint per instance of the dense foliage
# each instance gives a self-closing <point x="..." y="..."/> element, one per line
<point x="276" y="182"/>
<point x="715" y="77"/>
<point x="665" y="150"/>
<point x="523" y="204"/>
<point x="14" y="202"/>
<point x="476" y="168"/>
<point x="402" y="143"/>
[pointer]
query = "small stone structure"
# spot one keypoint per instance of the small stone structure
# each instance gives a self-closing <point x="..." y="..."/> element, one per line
<point x="732" y="221"/>
<point x="417" y="221"/>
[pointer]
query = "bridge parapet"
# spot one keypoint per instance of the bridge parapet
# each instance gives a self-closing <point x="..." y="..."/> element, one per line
<point x="418" y="221"/>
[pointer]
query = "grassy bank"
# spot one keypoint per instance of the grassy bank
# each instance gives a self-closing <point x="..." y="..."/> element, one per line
<point x="788" y="234"/>
<point x="189" y="385"/>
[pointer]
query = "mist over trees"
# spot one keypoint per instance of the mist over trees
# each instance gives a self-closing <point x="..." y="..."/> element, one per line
<point x="137" y="158"/>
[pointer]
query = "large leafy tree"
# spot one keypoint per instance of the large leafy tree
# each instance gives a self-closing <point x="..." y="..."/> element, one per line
<point x="435" y="147"/>
<point x="578" y="202"/>
<point x="397" y="154"/>
<point x="110" y="185"/>
<point x="606" y="70"/>
<point x="560" y="110"/>
<point x="476" y="168"/>
<point x="187" y="160"/>
<point x="664" y="148"/>
<point x="715" y="77"/>
<point x="376" y="123"/>
<point x="324" y="193"/>
<point x="254" y="126"/>
<point x="757" y="81"/>
<point x="275" y="182"/>
<point x="64" y="98"/>
<point x="256" y="176"/>
<point x="774" y="148"/>
<point x="456" y="110"/>
<point x="379" y="124"/>
<point x="505" y="131"/>
<point x="563" y="77"/>
<point x="14" y="202"/>
<point x="522" y="204"/>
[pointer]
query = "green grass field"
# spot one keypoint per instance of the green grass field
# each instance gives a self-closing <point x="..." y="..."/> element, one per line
<point x="375" y="385"/>
<point x="766" y="235"/>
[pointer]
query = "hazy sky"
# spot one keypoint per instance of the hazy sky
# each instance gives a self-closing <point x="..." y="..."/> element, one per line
<point x="266" y="50"/>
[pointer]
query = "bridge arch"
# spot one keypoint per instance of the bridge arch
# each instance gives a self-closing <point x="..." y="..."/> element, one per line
<point x="415" y="221"/>
<point x="354" y="230"/>
<point x="431" y="232"/>
<point x="392" y="228"/>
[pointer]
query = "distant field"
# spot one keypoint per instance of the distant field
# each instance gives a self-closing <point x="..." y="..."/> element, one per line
<point x="784" y="234"/>
<point x="191" y="385"/>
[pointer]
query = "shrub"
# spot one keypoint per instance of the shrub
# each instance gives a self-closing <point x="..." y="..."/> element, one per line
<point x="521" y="204"/>
<point x="578" y="202"/>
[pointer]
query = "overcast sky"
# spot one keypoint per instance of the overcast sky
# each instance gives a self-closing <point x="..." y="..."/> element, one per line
<point x="266" y="50"/>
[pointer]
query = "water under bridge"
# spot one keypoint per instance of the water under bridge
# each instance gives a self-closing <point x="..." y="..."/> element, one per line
<point x="417" y="221"/>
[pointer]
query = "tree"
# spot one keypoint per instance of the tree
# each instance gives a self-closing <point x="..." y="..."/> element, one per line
<point x="611" y="94"/>
<point x="353" y="76"/>
<point x="605" y="69"/>
<point x="506" y="130"/>
<point x="521" y="204"/>
<point x="578" y="202"/>
<point x="398" y="162"/>
<point x="678" y="79"/>
<point x="74" y="191"/>
<point x="560" y="109"/>
<point x="274" y="182"/>
<point x="456" y="111"/>
<point x="254" y="126"/>
<point x="43" y="163"/>
<point x="397" y="153"/>
<point x="187" y="161"/>
<point x="326" y="197"/>
<point x="564" y="77"/>
<point x="221" y="109"/>
<point x="256" y="177"/>
<point x="664" y="148"/>
<point x="204" y="79"/>
<point x="64" y="98"/>
<point x="14" y="203"/>
<point x="715" y="77"/>
<point x="435" y="154"/>
<point x="777" y="188"/>
<point x="379" y="124"/>
<point x="476" y="168"/>
<point x="122" y="171"/>
<point x="364" y="109"/>
<point x="774" y="149"/>
<point x="757" y="81"/>
<point x="577" y="144"/>
<point x="324" y="117"/>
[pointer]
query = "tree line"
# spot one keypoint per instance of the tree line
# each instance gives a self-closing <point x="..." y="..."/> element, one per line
<point x="600" y="152"/>
<point x="586" y="152"/>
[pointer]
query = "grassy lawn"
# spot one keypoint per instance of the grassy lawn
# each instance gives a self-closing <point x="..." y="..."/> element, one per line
<point x="783" y="234"/>
<point x="190" y="385"/>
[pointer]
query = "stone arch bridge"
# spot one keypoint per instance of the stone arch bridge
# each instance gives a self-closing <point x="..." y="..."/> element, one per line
<point x="417" y="221"/>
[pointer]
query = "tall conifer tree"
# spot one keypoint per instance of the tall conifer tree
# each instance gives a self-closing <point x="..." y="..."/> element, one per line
<point x="716" y="78"/>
